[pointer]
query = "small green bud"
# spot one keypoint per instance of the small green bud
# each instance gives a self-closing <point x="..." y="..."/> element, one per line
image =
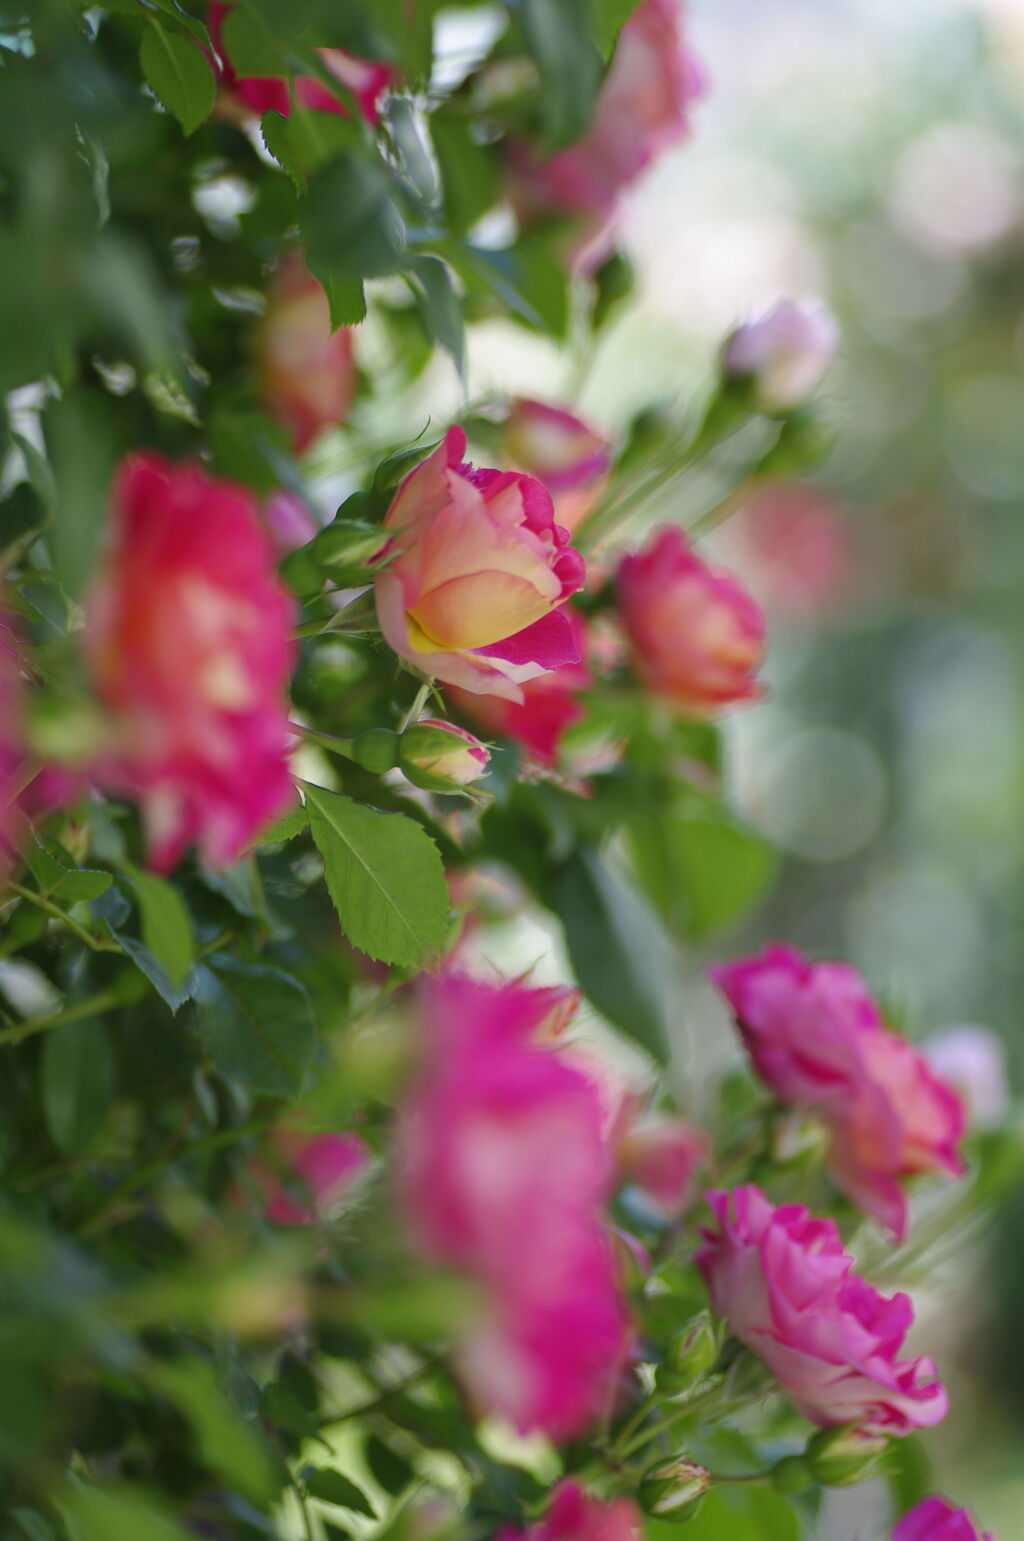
<point x="697" y="1347"/>
<point x="439" y="757"/>
<point x="672" y="1491"/>
<point x="840" y="1457"/>
<point x="792" y="1475"/>
<point x="376" y="750"/>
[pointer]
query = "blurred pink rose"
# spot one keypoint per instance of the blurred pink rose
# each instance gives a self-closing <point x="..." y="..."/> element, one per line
<point x="288" y="521"/>
<point x="817" y="1039"/>
<point x="306" y="372"/>
<point x="306" y="1175"/>
<point x="697" y="638"/>
<point x="571" y="459"/>
<point x="781" y="1278"/>
<point x="476" y="574"/>
<point x="574" y="1516"/>
<point x="188" y="643"/>
<point x="973" y="1061"/>
<point x="797" y="548"/>
<point x="366" y="79"/>
<point x="784" y="354"/>
<point x="935" y="1519"/>
<point x="641" y="109"/>
<point x="662" y="1154"/>
<point x="549" y="708"/>
<point x="503" y="1172"/>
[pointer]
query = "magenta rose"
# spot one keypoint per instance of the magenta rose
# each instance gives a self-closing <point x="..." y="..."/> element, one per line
<point x="503" y="1174"/>
<point x="697" y="638"/>
<point x="782" y="1280"/>
<point x="475" y="575"/>
<point x="818" y="1040"/>
<point x="189" y="648"/>
<point x="936" y="1520"/>
<point x="574" y="1516"/>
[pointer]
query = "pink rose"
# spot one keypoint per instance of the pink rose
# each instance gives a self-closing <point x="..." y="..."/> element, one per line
<point x="574" y="1516"/>
<point x="935" y="1519"/>
<point x="441" y="757"/>
<point x="549" y="708"/>
<point x="306" y="1176"/>
<point x="475" y="575"/>
<point x="781" y="1278"/>
<point x="697" y="638"/>
<point x="662" y="1154"/>
<point x="784" y="354"/>
<point x="503" y="1173"/>
<point x="288" y="521"/>
<point x="188" y="644"/>
<point x="817" y="1039"/>
<point x="641" y="109"/>
<point x="571" y="459"/>
<point x="306" y="373"/>
<point x="366" y="79"/>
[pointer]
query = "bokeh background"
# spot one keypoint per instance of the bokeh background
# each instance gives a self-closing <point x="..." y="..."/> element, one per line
<point x="870" y="152"/>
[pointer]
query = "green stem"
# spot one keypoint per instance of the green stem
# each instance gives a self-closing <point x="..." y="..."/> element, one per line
<point x="328" y="741"/>
<point x="102" y="1001"/>
<point x="422" y="696"/>
<point x="57" y="913"/>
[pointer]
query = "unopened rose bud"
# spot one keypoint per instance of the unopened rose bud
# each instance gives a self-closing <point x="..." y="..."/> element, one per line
<point x="672" y="1491"/>
<point x="695" y="1350"/>
<point x="840" y="1457"/>
<point x="439" y="757"/>
<point x="783" y="355"/>
<point x="792" y="1475"/>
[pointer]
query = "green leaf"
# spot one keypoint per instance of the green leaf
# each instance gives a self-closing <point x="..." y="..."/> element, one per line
<point x="351" y="224"/>
<point x="178" y="75"/>
<point x="732" y="1513"/>
<point x="385" y="878"/>
<point x="439" y="306"/>
<point x="256" y="1023"/>
<point x="559" y="36"/>
<point x="307" y="140"/>
<point x="390" y="1470"/>
<point x="32" y="1525"/>
<point x="166" y="924"/>
<point x="332" y="1487"/>
<point x="617" y="949"/>
<point x="286" y="827"/>
<point x="249" y="43"/>
<point x="236" y="1450"/>
<point x="701" y="867"/>
<point x="58" y="877"/>
<point x="76" y="1082"/>
<point x="469" y="172"/>
<point x="116" y="1515"/>
<point x="83" y="451"/>
<point x="288" y="1413"/>
<point x="609" y="18"/>
<point x="346" y="300"/>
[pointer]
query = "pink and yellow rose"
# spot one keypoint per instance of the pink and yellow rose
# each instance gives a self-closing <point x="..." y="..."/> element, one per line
<point x="696" y="637"/>
<point x="475" y="575"/>
<point x="188" y="645"/>
<point x="306" y="372"/>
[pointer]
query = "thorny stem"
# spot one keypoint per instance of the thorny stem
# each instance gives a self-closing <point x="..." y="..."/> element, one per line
<point x="92" y="942"/>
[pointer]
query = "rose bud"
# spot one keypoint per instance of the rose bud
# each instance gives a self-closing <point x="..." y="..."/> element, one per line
<point x="662" y="1155"/>
<point x="841" y="1457"/>
<point x="784" y="355"/>
<point x="189" y="648"/>
<point x="365" y="79"/>
<point x="476" y="576"/>
<point x="439" y="757"/>
<point x="695" y="1350"/>
<point x="936" y="1520"/>
<point x="670" y="1491"/>
<point x="696" y="636"/>
<point x="787" y="1289"/>
<point x="306" y="372"/>
<point x="568" y="457"/>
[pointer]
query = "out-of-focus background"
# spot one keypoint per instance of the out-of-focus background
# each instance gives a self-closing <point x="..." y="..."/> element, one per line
<point x="870" y="152"/>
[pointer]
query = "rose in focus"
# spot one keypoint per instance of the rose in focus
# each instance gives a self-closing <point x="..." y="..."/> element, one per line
<point x="781" y="1278"/>
<point x="696" y="637"/>
<point x="475" y="575"/>
<point x="188" y="645"/>
<point x="817" y="1038"/>
<point x="503" y="1174"/>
